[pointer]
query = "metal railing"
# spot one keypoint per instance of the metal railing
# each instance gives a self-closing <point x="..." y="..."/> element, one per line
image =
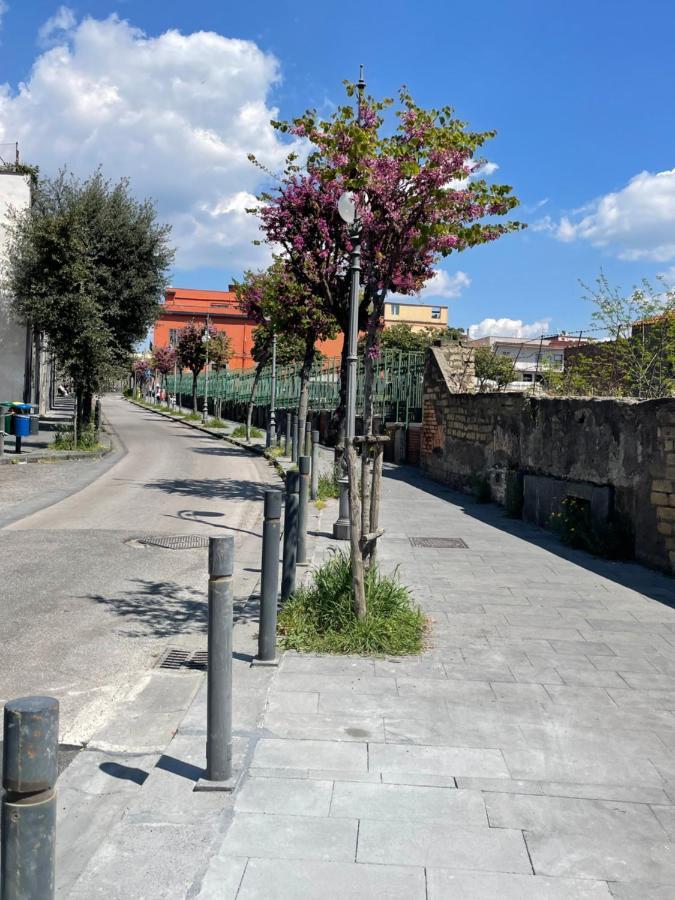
<point x="398" y="378"/>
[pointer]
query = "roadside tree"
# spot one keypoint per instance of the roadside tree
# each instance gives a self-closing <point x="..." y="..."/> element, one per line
<point x="87" y="267"/>
<point x="191" y="347"/>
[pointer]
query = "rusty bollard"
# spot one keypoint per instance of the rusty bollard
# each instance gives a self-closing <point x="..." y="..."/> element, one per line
<point x="30" y="769"/>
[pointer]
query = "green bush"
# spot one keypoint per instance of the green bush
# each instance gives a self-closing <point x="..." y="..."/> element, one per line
<point x="320" y="616"/>
<point x="216" y="423"/>
<point x="240" y="432"/>
<point x="480" y="488"/>
<point x="192" y="417"/>
<point x="329" y="485"/>
<point x="127" y="392"/>
<point x="574" y="523"/>
<point x="86" y="439"/>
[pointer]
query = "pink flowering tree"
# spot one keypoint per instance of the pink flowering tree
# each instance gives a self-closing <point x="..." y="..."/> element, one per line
<point x="163" y="361"/>
<point x="419" y="198"/>
<point x="276" y="300"/>
<point x="191" y="350"/>
<point x="141" y="372"/>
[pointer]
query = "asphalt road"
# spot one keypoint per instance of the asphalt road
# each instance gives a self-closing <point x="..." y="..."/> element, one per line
<point x="85" y="608"/>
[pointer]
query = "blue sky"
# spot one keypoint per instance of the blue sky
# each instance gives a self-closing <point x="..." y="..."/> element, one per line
<point x="579" y="92"/>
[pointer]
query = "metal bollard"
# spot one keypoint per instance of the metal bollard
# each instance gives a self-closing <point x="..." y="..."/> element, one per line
<point x="294" y="438"/>
<point x="287" y="438"/>
<point x="308" y="438"/>
<point x="303" y="502"/>
<point x="2" y="440"/>
<point x="269" y="587"/>
<point x="218" y="776"/>
<point x="290" y="554"/>
<point x="30" y="762"/>
<point x="314" y="486"/>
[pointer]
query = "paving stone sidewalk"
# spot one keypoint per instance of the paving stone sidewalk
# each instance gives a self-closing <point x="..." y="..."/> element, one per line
<point x="528" y="753"/>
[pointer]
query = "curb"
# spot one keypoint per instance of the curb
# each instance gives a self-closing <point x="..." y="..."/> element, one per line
<point x="41" y="456"/>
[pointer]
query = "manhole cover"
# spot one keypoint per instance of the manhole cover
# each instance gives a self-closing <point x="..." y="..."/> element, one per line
<point x="177" y="660"/>
<point x="174" y="541"/>
<point x="439" y="543"/>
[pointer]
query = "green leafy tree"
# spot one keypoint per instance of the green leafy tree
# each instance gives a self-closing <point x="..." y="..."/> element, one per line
<point x="290" y="348"/>
<point x="642" y="325"/>
<point x="286" y="307"/>
<point x="87" y="267"/>
<point x="220" y="354"/>
<point x="191" y="347"/>
<point x="493" y="370"/>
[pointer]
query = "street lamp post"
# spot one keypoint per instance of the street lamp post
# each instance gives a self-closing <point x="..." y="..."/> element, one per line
<point x="272" y="427"/>
<point x="347" y="210"/>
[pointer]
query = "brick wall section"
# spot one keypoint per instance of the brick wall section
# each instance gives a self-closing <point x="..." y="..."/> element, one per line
<point x="626" y="444"/>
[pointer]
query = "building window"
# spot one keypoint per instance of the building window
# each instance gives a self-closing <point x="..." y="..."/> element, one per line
<point x="436" y="312"/>
<point x="173" y="337"/>
<point x="527" y="376"/>
<point x="395" y="309"/>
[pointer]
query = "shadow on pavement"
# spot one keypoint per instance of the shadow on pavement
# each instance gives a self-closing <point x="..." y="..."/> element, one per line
<point x="164" y="609"/>
<point x="126" y="773"/>
<point x="628" y="574"/>
<point x="209" y="488"/>
<point x="178" y="767"/>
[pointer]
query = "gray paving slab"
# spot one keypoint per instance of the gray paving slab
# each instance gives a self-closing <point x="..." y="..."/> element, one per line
<point x="436" y="845"/>
<point x="222" y="878"/>
<point x="641" y="890"/>
<point x="445" y="884"/>
<point x="626" y="821"/>
<point x="366" y="684"/>
<point x="437" y="760"/>
<point x="666" y="816"/>
<point x="284" y="796"/>
<point x="401" y="802"/>
<point x="322" y="726"/>
<point x="312" y="880"/>
<point x="291" y="837"/>
<point x="300" y="754"/>
<point x="602" y="857"/>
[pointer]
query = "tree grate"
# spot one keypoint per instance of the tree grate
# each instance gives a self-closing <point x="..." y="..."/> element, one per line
<point x="439" y="543"/>
<point x="175" y="541"/>
<point x="177" y="660"/>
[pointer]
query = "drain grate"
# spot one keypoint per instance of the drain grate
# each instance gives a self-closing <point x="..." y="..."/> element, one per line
<point x="439" y="543"/>
<point x="177" y="659"/>
<point x="175" y="541"/>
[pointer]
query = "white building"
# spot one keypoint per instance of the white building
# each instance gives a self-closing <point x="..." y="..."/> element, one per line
<point x="15" y="193"/>
<point x="531" y="358"/>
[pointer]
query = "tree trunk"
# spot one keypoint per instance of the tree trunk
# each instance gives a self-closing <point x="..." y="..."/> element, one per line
<point x="303" y="403"/>
<point x="87" y="402"/>
<point x="195" y="375"/>
<point x="375" y="499"/>
<point x="249" y="411"/>
<point x="358" y="585"/>
<point x="372" y="347"/>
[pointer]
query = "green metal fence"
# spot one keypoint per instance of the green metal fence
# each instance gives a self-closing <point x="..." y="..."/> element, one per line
<point x="397" y="386"/>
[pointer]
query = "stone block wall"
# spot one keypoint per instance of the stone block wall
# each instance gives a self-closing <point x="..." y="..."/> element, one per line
<point x="575" y="444"/>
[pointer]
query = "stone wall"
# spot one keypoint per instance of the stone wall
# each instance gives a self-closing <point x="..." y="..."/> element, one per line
<point x="619" y="455"/>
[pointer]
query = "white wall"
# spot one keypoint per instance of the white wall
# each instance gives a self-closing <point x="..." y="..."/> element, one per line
<point x="14" y="193"/>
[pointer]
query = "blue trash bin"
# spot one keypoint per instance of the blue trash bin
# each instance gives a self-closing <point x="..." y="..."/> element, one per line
<point x="21" y="425"/>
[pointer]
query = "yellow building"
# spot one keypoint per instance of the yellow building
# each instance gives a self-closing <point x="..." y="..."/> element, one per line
<point x="417" y="315"/>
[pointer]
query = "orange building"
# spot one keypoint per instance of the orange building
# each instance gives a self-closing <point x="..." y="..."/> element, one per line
<point x="181" y="305"/>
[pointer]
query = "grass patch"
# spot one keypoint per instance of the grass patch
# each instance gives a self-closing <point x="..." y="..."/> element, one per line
<point x="320" y="618"/>
<point x="240" y="432"/>
<point x="215" y="422"/>
<point x="320" y="504"/>
<point x="329" y="486"/>
<point x="86" y="439"/>
<point x="276" y="452"/>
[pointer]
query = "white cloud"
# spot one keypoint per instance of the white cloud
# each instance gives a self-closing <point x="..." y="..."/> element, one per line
<point x="56" y="28"/>
<point x="3" y="9"/>
<point x="176" y="113"/>
<point x="509" y="328"/>
<point x="440" y="286"/>
<point x="636" y="222"/>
